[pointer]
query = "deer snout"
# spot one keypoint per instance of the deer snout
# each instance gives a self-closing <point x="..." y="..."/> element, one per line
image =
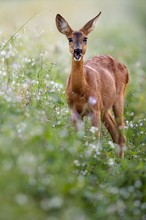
<point x="77" y="54"/>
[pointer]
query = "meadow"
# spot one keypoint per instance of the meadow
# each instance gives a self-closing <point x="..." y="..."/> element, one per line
<point x="47" y="170"/>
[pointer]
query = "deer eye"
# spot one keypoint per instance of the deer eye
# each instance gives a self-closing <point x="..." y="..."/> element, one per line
<point x="85" y="39"/>
<point x="70" y="40"/>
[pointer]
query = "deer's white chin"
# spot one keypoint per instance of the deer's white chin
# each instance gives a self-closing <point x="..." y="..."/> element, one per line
<point x="77" y="59"/>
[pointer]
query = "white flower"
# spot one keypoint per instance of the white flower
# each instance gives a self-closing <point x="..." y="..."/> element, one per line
<point x="92" y="100"/>
<point x="111" y="144"/>
<point x="3" y="53"/>
<point x="93" y="129"/>
<point x="111" y="162"/>
<point x="76" y="163"/>
<point x="138" y="184"/>
<point x="21" y="199"/>
<point x="53" y="203"/>
<point x="30" y="162"/>
<point x="131" y="125"/>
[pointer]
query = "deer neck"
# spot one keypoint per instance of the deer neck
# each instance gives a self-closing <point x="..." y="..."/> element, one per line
<point x="78" y="79"/>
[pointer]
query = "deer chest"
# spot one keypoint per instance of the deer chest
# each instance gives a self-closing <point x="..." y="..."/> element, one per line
<point x="79" y="102"/>
<point x="73" y="98"/>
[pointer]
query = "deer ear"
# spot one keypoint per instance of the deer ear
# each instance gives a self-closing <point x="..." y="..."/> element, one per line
<point x="62" y="25"/>
<point x="89" y="26"/>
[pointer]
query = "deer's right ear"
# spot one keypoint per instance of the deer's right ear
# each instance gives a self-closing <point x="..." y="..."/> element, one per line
<point x="63" y="26"/>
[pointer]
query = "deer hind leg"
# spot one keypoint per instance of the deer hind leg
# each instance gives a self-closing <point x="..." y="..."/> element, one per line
<point x="118" y="112"/>
<point x="110" y="124"/>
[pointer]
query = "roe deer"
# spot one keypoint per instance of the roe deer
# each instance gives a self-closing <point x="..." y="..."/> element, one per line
<point x="95" y="87"/>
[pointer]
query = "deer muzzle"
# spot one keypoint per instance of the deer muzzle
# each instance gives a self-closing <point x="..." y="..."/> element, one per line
<point x="77" y="54"/>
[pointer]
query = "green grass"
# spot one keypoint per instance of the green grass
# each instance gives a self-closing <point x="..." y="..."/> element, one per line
<point x="47" y="170"/>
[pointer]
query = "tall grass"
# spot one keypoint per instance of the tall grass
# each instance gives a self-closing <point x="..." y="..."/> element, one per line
<point x="48" y="171"/>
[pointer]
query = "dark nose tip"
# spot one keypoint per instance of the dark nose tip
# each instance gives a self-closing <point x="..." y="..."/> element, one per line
<point x="78" y="51"/>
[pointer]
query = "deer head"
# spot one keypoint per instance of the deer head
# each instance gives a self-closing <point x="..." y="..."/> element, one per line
<point x="77" y="39"/>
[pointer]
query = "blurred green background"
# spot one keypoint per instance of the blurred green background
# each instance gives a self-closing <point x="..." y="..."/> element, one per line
<point x="47" y="170"/>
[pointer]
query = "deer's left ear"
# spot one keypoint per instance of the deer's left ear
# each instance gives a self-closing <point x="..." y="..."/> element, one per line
<point x="89" y="26"/>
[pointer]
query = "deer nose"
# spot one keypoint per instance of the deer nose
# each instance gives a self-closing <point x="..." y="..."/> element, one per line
<point x="77" y="54"/>
<point x="77" y="51"/>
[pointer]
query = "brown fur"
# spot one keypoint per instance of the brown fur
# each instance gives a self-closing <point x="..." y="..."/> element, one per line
<point x="95" y="87"/>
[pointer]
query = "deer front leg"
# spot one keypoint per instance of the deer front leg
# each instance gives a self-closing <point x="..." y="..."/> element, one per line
<point x="95" y="122"/>
<point x="76" y="120"/>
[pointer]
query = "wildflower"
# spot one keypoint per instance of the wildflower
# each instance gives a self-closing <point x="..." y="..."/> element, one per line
<point x="21" y="199"/>
<point x="54" y="203"/>
<point x="111" y="162"/>
<point x="111" y="144"/>
<point x="3" y="53"/>
<point x="93" y="129"/>
<point x="92" y="100"/>
<point x="76" y="163"/>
